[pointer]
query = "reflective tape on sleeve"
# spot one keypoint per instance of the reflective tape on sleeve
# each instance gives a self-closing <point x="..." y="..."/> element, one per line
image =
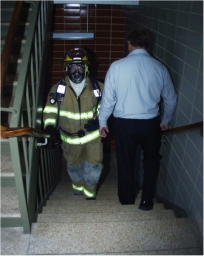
<point x="48" y="121"/>
<point x="49" y="109"/>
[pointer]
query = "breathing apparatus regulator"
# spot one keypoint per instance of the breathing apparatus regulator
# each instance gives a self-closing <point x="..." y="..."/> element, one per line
<point x="76" y="64"/>
<point x="59" y="94"/>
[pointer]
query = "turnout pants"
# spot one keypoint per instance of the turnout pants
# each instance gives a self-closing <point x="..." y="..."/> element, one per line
<point x="84" y="165"/>
<point x="129" y="133"/>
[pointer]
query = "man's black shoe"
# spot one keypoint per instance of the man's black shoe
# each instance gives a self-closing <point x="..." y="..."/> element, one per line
<point x="146" y="206"/>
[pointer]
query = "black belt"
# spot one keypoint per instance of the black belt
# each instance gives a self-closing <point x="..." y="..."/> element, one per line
<point x="80" y="133"/>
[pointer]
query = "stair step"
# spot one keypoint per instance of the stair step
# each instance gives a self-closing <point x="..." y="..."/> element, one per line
<point x="6" y="23"/>
<point x="84" y="202"/>
<point x="17" y="40"/>
<point x="7" y="102"/>
<point x="111" y="237"/>
<point x="106" y="216"/>
<point x="9" y="202"/>
<point x="108" y="191"/>
<point x="11" y="79"/>
<point x="6" y="165"/>
<point x="107" y="184"/>
<point x="93" y="206"/>
<point x="5" y="145"/>
<point x="70" y="196"/>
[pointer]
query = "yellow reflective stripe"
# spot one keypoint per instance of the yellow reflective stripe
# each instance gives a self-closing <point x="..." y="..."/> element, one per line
<point x="48" y="121"/>
<point x="79" y="188"/>
<point x="76" y="116"/>
<point x="88" y="193"/>
<point x="83" y="140"/>
<point x="49" y="109"/>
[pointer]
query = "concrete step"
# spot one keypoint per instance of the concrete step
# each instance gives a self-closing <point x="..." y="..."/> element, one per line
<point x="9" y="202"/>
<point x="6" y="165"/>
<point x="93" y="206"/>
<point x="65" y="196"/>
<point x="107" y="191"/>
<point x="112" y="184"/>
<point x="112" y="237"/>
<point x="99" y="201"/>
<point x="106" y="216"/>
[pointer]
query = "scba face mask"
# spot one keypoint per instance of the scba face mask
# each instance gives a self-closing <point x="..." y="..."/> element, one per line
<point x="76" y="72"/>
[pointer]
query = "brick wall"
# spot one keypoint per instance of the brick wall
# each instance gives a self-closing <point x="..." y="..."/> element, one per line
<point x="108" y="24"/>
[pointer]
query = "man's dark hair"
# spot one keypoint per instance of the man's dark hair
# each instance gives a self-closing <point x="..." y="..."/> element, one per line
<point x="139" y="37"/>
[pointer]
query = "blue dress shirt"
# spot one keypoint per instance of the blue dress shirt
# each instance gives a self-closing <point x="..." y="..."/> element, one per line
<point x="133" y="87"/>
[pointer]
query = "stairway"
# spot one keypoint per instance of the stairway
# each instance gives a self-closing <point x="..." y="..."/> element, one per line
<point x="10" y="212"/>
<point x="7" y="8"/>
<point x="69" y="224"/>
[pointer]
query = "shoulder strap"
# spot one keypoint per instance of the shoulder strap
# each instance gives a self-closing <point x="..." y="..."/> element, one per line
<point x="96" y="88"/>
<point x="97" y="93"/>
<point x="58" y="96"/>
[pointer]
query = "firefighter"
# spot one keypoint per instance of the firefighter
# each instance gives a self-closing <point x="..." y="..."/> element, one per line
<point x="72" y="108"/>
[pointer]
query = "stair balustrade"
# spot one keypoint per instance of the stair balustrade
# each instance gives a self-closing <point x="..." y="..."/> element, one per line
<point x="5" y="56"/>
<point x="24" y="109"/>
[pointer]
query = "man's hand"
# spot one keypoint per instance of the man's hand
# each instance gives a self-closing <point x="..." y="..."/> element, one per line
<point x="103" y="131"/>
<point x="164" y="126"/>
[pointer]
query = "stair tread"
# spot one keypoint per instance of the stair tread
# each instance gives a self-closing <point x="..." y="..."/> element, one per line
<point x="105" y="216"/>
<point x="111" y="237"/>
<point x="70" y="196"/>
<point x="6" y="164"/>
<point x="16" y="40"/>
<point x="9" y="201"/>
<point x="93" y="206"/>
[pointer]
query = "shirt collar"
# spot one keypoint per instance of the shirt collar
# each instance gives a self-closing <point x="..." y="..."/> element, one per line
<point x="136" y="51"/>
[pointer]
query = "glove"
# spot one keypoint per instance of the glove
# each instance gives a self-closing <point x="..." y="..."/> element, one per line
<point x="92" y="125"/>
<point x="50" y="129"/>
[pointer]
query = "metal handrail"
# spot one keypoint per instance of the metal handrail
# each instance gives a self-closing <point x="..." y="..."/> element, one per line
<point x="6" y="53"/>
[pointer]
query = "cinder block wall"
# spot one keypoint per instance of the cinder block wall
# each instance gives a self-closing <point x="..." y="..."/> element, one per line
<point x="178" y="30"/>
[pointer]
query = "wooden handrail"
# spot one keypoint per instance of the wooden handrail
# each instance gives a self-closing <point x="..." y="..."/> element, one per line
<point x="183" y="128"/>
<point x="7" y="132"/>
<point x="6" y="53"/>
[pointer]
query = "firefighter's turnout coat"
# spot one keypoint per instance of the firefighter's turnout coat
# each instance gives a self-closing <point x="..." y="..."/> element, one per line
<point x="74" y="113"/>
<point x="83" y="154"/>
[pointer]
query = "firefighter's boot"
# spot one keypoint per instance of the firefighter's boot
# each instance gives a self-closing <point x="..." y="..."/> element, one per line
<point x="91" y="175"/>
<point x="78" y="187"/>
<point x="76" y="174"/>
<point x="90" y="192"/>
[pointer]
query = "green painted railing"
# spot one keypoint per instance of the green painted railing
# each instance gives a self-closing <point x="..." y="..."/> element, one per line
<point x="33" y="165"/>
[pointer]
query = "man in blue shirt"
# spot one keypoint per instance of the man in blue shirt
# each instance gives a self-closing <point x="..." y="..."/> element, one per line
<point x="133" y="89"/>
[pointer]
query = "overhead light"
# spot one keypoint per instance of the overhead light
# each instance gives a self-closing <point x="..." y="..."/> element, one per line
<point x="73" y="35"/>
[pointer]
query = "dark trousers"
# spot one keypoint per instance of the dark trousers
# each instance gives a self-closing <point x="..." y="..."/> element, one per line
<point x="128" y="134"/>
